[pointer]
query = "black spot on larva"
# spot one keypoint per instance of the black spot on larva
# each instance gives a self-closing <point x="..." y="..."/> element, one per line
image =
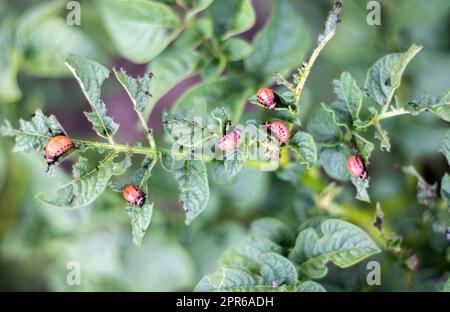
<point x="150" y="75"/>
<point x="387" y="82"/>
<point x="96" y="168"/>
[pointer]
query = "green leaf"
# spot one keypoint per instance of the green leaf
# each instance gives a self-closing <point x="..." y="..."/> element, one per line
<point x="277" y="270"/>
<point x="438" y="105"/>
<point x="90" y="76"/>
<point x="138" y="90"/>
<point x="445" y="188"/>
<point x="340" y="113"/>
<point x="33" y="134"/>
<point x="236" y="49"/>
<point x="445" y="146"/>
<point x="169" y="68"/>
<point x="323" y="240"/>
<point x="323" y="129"/>
<point x="87" y="186"/>
<point x="305" y="147"/>
<point x="9" y="64"/>
<point x="195" y="6"/>
<point x="290" y="172"/>
<point x="231" y="17"/>
<point x="247" y="253"/>
<point x="140" y="218"/>
<point x="193" y="183"/>
<point x="224" y="171"/>
<point x="310" y="286"/>
<point x="141" y="175"/>
<point x="364" y="147"/>
<point x="272" y="229"/>
<point x="334" y="162"/>
<point x="383" y="136"/>
<point x="45" y="38"/>
<point x="48" y="44"/>
<point x="331" y="23"/>
<point x="200" y="100"/>
<point x="361" y="189"/>
<point x="195" y="34"/>
<point x="348" y="92"/>
<point x="383" y="78"/>
<point x="221" y="116"/>
<point x="139" y="29"/>
<point x="186" y="132"/>
<point x="281" y="45"/>
<point x="226" y="278"/>
<point x="80" y="168"/>
<point x="214" y="68"/>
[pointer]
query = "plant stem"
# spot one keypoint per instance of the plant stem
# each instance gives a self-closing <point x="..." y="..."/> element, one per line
<point x="118" y="147"/>
<point x="306" y="67"/>
<point x="382" y="116"/>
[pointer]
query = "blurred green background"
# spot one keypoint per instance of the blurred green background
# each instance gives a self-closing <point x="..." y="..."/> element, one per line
<point x="37" y="242"/>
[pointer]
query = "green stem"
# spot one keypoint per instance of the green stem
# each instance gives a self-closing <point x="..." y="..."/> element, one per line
<point x="306" y="67"/>
<point x="384" y="115"/>
<point x="120" y="148"/>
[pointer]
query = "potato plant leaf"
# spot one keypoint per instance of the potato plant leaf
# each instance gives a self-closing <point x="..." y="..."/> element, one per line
<point x="361" y="189"/>
<point x="272" y="229"/>
<point x="330" y="240"/>
<point x="310" y="286"/>
<point x="438" y="105"/>
<point x="348" y="92"/>
<point x="364" y="146"/>
<point x="139" y="90"/>
<point x="277" y="270"/>
<point x="140" y="218"/>
<point x="271" y="51"/>
<point x="247" y="253"/>
<point x="226" y="279"/>
<point x="140" y="30"/>
<point x="90" y="76"/>
<point x="383" y="78"/>
<point x="334" y="162"/>
<point x="193" y="184"/>
<point x="231" y="17"/>
<point x="88" y="185"/>
<point x="305" y="147"/>
<point x="228" y="168"/>
<point x="33" y="134"/>
<point x="323" y="129"/>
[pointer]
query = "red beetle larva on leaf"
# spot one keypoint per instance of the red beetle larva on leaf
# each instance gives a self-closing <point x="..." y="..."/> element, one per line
<point x="356" y="167"/>
<point x="133" y="195"/>
<point x="228" y="142"/>
<point x="57" y="146"/>
<point x="280" y="130"/>
<point x="267" y="97"/>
